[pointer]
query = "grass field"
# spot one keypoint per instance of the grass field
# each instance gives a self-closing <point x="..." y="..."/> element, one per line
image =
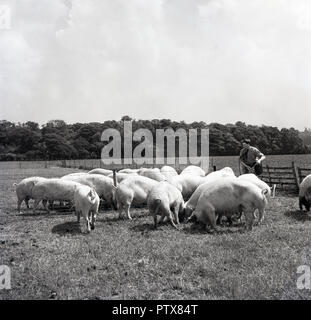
<point x="302" y="160"/>
<point x="122" y="259"/>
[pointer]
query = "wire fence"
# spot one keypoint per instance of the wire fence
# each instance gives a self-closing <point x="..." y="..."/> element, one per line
<point x="287" y="178"/>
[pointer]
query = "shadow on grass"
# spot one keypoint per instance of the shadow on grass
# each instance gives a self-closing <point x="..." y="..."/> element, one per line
<point x="106" y="207"/>
<point x="147" y="227"/>
<point x="71" y="227"/>
<point x="45" y="213"/>
<point x="298" y="215"/>
<point x="110" y="218"/>
<point x="196" y="228"/>
<point x="115" y="217"/>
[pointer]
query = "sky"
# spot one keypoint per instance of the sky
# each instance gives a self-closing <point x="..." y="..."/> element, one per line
<point x="193" y="60"/>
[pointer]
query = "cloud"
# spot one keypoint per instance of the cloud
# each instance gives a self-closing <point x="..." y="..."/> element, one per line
<point x="213" y="60"/>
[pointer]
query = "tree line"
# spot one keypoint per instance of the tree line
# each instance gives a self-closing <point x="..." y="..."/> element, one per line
<point x="306" y="136"/>
<point x="57" y="140"/>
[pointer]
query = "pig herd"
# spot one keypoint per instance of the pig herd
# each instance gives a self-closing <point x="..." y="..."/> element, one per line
<point x="188" y="196"/>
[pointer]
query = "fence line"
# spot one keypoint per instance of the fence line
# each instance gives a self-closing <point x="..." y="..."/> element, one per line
<point x="89" y="164"/>
<point x="86" y="164"/>
<point x="30" y="164"/>
<point x="285" y="178"/>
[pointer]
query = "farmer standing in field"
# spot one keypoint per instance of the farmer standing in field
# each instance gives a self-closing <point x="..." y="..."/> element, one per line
<point x="250" y="159"/>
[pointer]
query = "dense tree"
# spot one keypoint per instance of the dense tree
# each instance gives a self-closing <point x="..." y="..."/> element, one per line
<point x="58" y="140"/>
<point x="57" y="147"/>
<point x="306" y="136"/>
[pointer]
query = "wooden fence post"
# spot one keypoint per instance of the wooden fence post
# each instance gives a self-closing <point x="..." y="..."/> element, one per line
<point x="268" y="170"/>
<point x="115" y="177"/>
<point x="295" y="172"/>
<point x="299" y="174"/>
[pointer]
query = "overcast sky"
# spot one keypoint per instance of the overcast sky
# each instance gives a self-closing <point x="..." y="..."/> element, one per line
<point x="193" y="60"/>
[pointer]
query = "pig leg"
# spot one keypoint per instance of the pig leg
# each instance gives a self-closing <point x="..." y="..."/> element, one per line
<point x="162" y="217"/>
<point x="176" y="211"/>
<point x="169" y="214"/>
<point x="37" y="201"/>
<point x="44" y="202"/>
<point x="86" y="218"/>
<point x="127" y="210"/>
<point x="93" y="219"/>
<point x="172" y="221"/>
<point x="120" y="209"/>
<point x="155" y="218"/>
<point x="88" y="227"/>
<point x="209" y="217"/>
<point x="158" y="210"/>
<point x="300" y="204"/>
<point x="19" y="203"/>
<point x="249" y="217"/>
<point x="212" y="220"/>
<point x="27" y="202"/>
<point x="261" y="216"/>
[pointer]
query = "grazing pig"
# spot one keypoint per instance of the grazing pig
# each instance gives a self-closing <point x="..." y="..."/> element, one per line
<point x="161" y="199"/>
<point x="101" y="184"/>
<point x="193" y="170"/>
<point x="258" y="182"/>
<point x="67" y="177"/>
<point x="153" y="173"/>
<point x="305" y="193"/>
<point x="86" y="202"/>
<point x="24" y="190"/>
<point x="226" y="171"/>
<point x="228" y="196"/>
<point x="128" y="171"/>
<point x="222" y="173"/>
<point x="133" y="190"/>
<point x="53" y="189"/>
<point x="142" y="169"/>
<point x="207" y="183"/>
<point x="121" y="176"/>
<point x="104" y="172"/>
<point x="75" y="174"/>
<point x="168" y="172"/>
<point x="186" y="183"/>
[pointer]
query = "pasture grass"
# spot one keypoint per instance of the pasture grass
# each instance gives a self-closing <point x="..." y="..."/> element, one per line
<point x="301" y="160"/>
<point x="122" y="259"/>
